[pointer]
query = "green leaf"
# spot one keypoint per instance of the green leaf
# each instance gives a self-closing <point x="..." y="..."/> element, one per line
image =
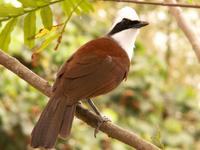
<point x="29" y="29"/>
<point x="47" y="17"/>
<point x="67" y="6"/>
<point x="75" y="4"/>
<point x="34" y="3"/>
<point x="45" y="43"/>
<point x="44" y="31"/>
<point x="42" y="2"/>
<point x="83" y="5"/>
<point x="86" y="6"/>
<point x="28" y="3"/>
<point x="9" y="10"/>
<point x="5" y="34"/>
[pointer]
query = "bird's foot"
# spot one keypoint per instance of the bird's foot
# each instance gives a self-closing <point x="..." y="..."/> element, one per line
<point x="103" y="119"/>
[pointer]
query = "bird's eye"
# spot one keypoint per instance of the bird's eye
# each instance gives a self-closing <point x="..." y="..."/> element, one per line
<point x="124" y="20"/>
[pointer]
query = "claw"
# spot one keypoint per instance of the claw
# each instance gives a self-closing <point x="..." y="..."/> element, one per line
<point x="103" y="119"/>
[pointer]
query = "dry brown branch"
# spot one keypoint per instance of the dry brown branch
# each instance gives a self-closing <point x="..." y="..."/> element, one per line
<point x="23" y="72"/>
<point x="90" y="118"/>
<point x="186" y="27"/>
<point x="157" y="3"/>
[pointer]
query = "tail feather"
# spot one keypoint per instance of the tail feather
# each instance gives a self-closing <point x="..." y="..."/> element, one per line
<point x="56" y="119"/>
<point x="67" y="121"/>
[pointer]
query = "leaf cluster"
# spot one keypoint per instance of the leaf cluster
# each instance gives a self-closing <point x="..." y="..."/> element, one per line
<point x="29" y="12"/>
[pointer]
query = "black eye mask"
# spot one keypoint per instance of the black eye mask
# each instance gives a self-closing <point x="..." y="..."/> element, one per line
<point x="127" y="24"/>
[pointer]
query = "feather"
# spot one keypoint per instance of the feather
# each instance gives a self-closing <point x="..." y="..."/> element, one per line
<point x="56" y="118"/>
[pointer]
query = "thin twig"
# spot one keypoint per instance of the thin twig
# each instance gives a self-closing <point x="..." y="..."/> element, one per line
<point x="65" y="24"/>
<point x="157" y="3"/>
<point x="90" y="118"/>
<point x="187" y="28"/>
<point x="128" y="1"/>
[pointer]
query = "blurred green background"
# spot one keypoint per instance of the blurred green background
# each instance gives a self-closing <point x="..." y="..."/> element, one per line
<point x="160" y="101"/>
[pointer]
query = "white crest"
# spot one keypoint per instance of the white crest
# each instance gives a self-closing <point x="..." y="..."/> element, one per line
<point x="126" y="38"/>
<point x="125" y="12"/>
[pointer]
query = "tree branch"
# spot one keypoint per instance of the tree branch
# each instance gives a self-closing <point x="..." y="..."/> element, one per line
<point x="90" y="118"/>
<point x="157" y="3"/>
<point x="23" y="72"/>
<point x="186" y="27"/>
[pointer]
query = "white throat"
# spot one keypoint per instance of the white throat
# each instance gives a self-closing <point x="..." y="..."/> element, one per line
<point x="126" y="39"/>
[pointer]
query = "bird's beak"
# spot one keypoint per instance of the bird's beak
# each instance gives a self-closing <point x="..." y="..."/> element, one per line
<point x="140" y="24"/>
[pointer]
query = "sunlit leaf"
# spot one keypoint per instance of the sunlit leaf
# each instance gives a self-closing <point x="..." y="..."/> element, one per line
<point x="45" y="44"/>
<point x="77" y="3"/>
<point x="34" y="3"/>
<point x="28" y="3"/>
<point x="47" y="17"/>
<point x="5" y="34"/>
<point x="83" y="6"/>
<point x="44" y="31"/>
<point x="86" y="6"/>
<point x="42" y="2"/>
<point x="67" y="6"/>
<point x="41" y="33"/>
<point x="29" y="29"/>
<point x="9" y="10"/>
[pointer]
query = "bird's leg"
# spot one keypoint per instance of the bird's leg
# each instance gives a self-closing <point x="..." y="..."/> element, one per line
<point x="96" y="110"/>
<point x="102" y="118"/>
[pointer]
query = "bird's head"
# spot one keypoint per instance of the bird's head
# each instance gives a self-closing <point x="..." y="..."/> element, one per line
<point x="127" y="18"/>
<point x="126" y="28"/>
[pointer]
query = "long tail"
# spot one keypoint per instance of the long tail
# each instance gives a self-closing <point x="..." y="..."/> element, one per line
<point x="56" y="119"/>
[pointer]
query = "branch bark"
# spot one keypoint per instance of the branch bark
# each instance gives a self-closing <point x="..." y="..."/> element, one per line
<point x="90" y="118"/>
<point x="157" y="3"/>
<point x="186" y="27"/>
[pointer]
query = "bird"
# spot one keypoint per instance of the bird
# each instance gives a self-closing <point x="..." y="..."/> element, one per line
<point x="96" y="68"/>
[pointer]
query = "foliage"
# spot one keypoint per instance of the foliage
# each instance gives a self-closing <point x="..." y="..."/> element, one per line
<point x="5" y="34"/>
<point x="29" y="9"/>
<point x="159" y="101"/>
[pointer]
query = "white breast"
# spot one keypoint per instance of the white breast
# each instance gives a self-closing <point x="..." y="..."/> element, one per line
<point x="126" y="39"/>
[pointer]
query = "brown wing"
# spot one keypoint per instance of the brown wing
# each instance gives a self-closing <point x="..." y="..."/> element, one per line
<point x="90" y="72"/>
